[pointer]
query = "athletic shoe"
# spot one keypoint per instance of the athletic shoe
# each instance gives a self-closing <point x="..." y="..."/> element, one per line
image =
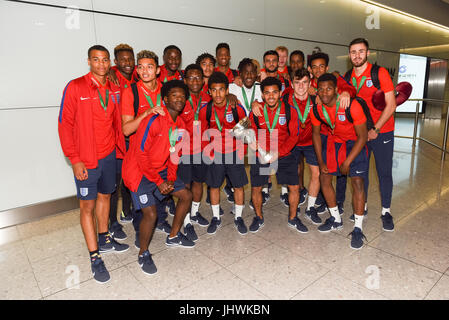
<point x="214" y="225"/>
<point x="302" y="196"/>
<point x="171" y="207"/>
<point x="229" y="194"/>
<point x="284" y="199"/>
<point x="189" y="230"/>
<point x="125" y="218"/>
<point x="179" y="241"/>
<point x="199" y="219"/>
<point x="387" y="222"/>
<point x="108" y="244"/>
<point x="341" y="208"/>
<point x="256" y="224"/>
<point x="163" y="226"/>
<point x="116" y="231"/>
<point x="137" y="241"/>
<point x="265" y="198"/>
<point x="357" y="238"/>
<point x="146" y="263"/>
<point x="321" y="208"/>
<point x="298" y="225"/>
<point x="351" y="218"/>
<point x="99" y="271"/>
<point x="312" y="215"/>
<point x="240" y="225"/>
<point x="330" y="224"/>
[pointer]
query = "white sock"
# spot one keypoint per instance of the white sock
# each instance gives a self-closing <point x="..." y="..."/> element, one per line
<point x="195" y="207"/>
<point x="187" y="219"/>
<point x="385" y="210"/>
<point x="358" y="221"/>
<point x="311" y="202"/>
<point x="366" y="206"/>
<point x="335" y="213"/>
<point x="284" y="190"/>
<point x="216" y="211"/>
<point x="238" y="210"/>
<point x="265" y="189"/>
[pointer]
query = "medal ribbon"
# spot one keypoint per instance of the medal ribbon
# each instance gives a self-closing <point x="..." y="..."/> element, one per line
<point x="197" y="112"/>
<point x="276" y="116"/>
<point x="302" y="118"/>
<point x="105" y="106"/>
<point x="150" y="102"/>
<point x="216" y="116"/>
<point x="354" y="83"/>
<point x="248" y="105"/>
<point x="172" y="136"/>
<point x="326" y="115"/>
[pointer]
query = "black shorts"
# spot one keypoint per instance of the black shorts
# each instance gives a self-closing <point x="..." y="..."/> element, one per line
<point x="286" y="173"/>
<point x="226" y="165"/>
<point x="192" y="168"/>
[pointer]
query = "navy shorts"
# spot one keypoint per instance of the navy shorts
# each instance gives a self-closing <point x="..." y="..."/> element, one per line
<point x="102" y="179"/>
<point x="148" y="192"/>
<point x="358" y="167"/>
<point x="192" y="168"/>
<point x="226" y="165"/>
<point x="287" y="172"/>
<point x="306" y="151"/>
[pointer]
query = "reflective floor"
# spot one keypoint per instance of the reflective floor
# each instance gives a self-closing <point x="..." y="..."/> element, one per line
<point x="44" y="259"/>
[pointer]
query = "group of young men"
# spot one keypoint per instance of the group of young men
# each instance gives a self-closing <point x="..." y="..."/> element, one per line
<point x="156" y="132"/>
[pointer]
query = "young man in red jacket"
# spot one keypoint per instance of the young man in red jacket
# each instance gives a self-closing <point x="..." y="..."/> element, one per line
<point x="149" y="170"/>
<point x="172" y="61"/>
<point x="91" y="137"/>
<point x="341" y="152"/>
<point x="277" y="135"/>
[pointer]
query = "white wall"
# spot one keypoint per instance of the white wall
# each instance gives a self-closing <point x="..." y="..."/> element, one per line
<point x="40" y="54"/>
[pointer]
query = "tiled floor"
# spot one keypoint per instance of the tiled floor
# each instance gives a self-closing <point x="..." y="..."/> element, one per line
<point x="43" y="259"/>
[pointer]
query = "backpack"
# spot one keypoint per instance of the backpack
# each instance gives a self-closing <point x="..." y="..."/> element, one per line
<point x="235" y="114"/>
<point x="369" y="119"/>
<point x="374" y="75"/>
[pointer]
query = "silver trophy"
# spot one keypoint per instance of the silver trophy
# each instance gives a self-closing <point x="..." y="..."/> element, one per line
<point x="244" y="132"/>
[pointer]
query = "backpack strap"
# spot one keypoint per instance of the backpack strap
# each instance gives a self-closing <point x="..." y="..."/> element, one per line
<point x="375" y="75"/>
<point x="256" y="121"/>
<point x="288" y="111"/>
<point x="235" y="114"/>
<point x="136" y="98"/>
<point x="287" y="83"/>
<point x="317" y="114"/>
<point x="208" y="112"/>
<point x="347" y="76"/>
<point x="369" y="119"/>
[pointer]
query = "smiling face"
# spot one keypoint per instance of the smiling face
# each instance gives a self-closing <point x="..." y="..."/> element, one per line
<point x="99" y="62"/>
<point x="125" y="62"/>
<point x="194" y="81"/>
<point x="271" y="95"/>
<point x="223" y="57"/>
<point x="318" y="67"/>
<point x="175" y="99"/>
<point x="249" y="75"/>
<point x="147" y="69"/>
<point x="172" y="59"/>
<point x="301" y="86"/>
<point x="283" y="56"/>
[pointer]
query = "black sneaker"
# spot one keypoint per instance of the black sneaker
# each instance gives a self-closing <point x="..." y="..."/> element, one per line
<point x="229" y="194"/>
<point x="179" y="241"/>
<point x="189" y="230"/>
<point x="284" y="199"/>
<point x="171" y="207"/>
<point x="108" y="244"/>
<point x="330" y="224"/>
<point x="256" y="224"/>
<point x="163" y="226"/>
<point x="214" y="225"/>
<point x="357" y="238"/>
<point x="99" y="271"/>
<point x="298" y="225"/>
<point x="341" y="208"/>
<point x="199" y="219"/>
<point x="125" y="218"/>
<point x="387" y="222"/>
<point x="302" y="196"/>
<point x="265" y="198"/>
<point x="240" y="225"/>
<point x="146" y="263"/>
<point x="312" y="215"/>
<point x="351" y="218"/>
<point x="322" y="208"/>
<point x="116" y="231"/>
<point x="137" y="241"/>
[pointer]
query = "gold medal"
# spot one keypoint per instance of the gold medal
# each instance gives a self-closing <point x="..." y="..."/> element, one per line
<point x="303" y="125"/>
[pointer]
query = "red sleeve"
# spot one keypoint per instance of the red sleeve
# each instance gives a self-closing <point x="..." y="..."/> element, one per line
<point x="292" y="139"/>
<point x="127" y="102"/>
<point x="343" y="86"/>
<point x="142" y="155"/>
<point x="66" y="122"/>
<point x="386" y="84"/>
<point x="357" y="114"/>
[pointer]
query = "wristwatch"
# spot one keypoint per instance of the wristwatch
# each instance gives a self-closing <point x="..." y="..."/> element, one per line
<point x="376" y="130"/>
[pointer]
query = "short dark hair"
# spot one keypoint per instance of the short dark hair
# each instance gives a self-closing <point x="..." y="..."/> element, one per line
<point x="245" y="62"/>
<point x="203" y="56"/>
<point x="171" y="47"/>
<point x="218" y="77"/>
<point x="327" y="77"/>
<point x="193" y="66"/>
<point x="146" y="54"/>
<point x="301" y="73"/>
<point x="319" y="55"/>
<point x="123" y="47"/>
<point x="167" y="86"/>
<point x="97" y="47"/>
<point x="359" y="40"/>
<point x="270" y="53"/>
<point x="299" y="53"/>
<point x="222" y="45"/>
<point x="270" y="81"/>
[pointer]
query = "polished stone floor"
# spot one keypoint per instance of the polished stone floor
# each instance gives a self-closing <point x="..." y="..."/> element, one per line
<point x="45" y="259"/>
